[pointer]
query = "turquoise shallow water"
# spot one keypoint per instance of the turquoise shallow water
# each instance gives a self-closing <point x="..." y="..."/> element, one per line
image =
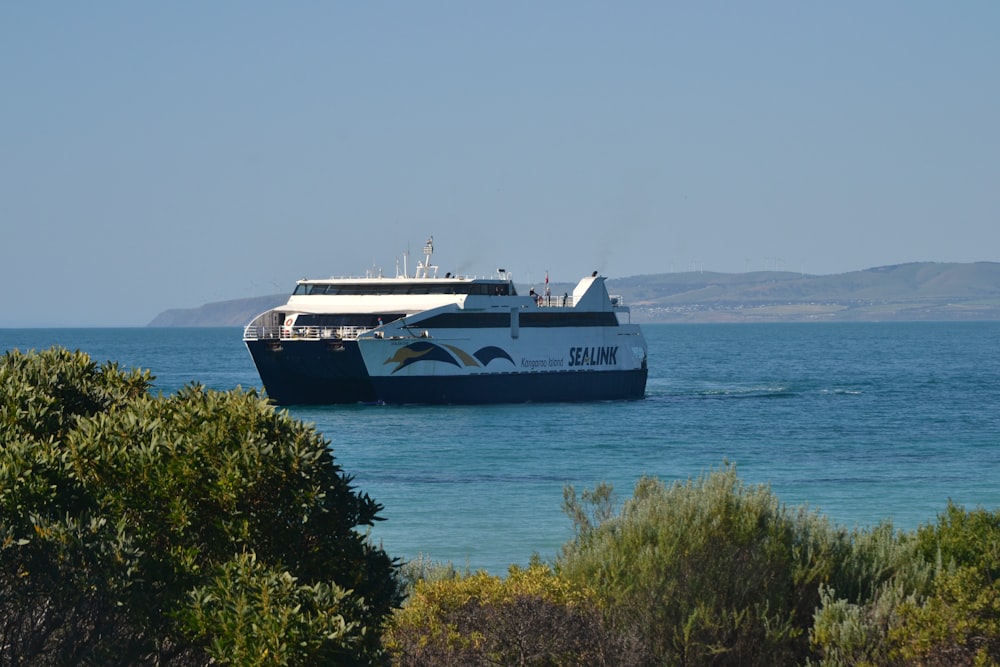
<point x="863" y="422"/>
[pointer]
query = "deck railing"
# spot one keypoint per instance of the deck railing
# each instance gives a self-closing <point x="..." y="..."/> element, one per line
<point x="252" y="332"/>
<point x="566" y="301"/>
<point x="553" y="301"/>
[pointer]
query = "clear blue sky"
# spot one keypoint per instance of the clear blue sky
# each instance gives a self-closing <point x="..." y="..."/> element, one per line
<point x="158" y="155"/>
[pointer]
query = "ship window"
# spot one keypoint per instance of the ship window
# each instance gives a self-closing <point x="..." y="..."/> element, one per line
<point x="472" y="320"/>
<point x="571" y="319"/>
<point x="357" y="289"/>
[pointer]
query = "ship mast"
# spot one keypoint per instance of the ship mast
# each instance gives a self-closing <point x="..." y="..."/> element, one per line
<point x="422" y="267"/>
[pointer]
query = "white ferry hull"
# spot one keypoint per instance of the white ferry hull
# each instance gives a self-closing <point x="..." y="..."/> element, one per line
<point x="542" y="365"/>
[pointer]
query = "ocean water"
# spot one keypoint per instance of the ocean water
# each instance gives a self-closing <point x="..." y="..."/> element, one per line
<point x="861" y="422"/>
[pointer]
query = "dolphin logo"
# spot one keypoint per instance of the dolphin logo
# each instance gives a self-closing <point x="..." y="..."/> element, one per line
<point x="421" y="351"/>
<point x="488" y="354"/>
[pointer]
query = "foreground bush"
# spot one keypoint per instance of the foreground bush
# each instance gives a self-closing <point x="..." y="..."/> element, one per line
<point x="172" y="530"/>
<point x="935" y="599"/>
<point x="709" y="572"/>
<point x="959" y="621"/>
<point x="713" y="572"/>
<point x="532" y="617"/>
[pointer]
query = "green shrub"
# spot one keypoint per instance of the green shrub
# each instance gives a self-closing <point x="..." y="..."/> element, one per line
<point x="860" y="608"/>
<point x="708" y="571"/>
<point x="532" y="617"/>
<point x="854" y="634"/>
<point x="931" y="597"/>
<point x="422" y="568"/>
<point x="254" y="615"/>
<point x="959" y="622"/>
<point x="43" y="394"/>
<point x="121" y="513"/>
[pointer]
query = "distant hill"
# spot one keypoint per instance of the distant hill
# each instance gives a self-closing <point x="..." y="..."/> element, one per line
<point x="902" y="292"/>
<point x="237" y="312"/>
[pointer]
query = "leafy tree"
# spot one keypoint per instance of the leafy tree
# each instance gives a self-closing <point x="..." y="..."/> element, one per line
<point x="708" y="571"/>
<point x="167" y="530"/>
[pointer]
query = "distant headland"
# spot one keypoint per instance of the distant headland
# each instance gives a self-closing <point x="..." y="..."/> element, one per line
<point x="917" y="291"/>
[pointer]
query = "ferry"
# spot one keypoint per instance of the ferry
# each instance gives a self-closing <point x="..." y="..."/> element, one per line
<point x="442" y="340"/>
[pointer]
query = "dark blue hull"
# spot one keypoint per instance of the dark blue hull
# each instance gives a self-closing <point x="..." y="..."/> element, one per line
<point x="514" y="387"/>
<point x="319" y="372"/>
